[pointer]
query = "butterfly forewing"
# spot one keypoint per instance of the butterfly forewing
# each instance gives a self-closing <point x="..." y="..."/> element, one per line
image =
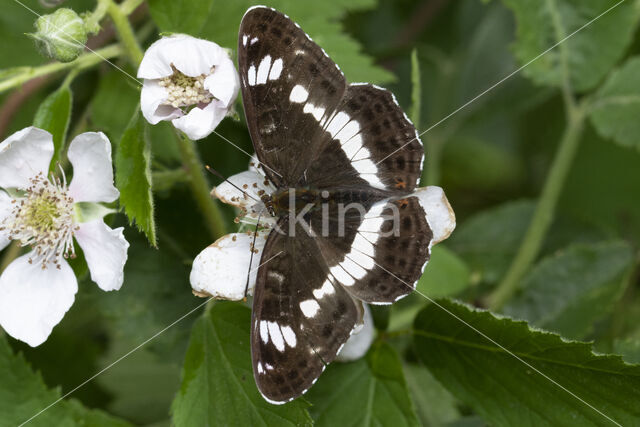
<point x="289" y="84"/>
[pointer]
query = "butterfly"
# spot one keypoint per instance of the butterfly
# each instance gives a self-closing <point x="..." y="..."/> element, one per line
<point x="324" y="144"/>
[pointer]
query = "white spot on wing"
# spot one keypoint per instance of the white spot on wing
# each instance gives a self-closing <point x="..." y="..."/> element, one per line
<point x="309" y="307"/>
<point x="244" y="39"/>
<point x="289" y="336"/>
<point x="342" y="276"/>
<point x="298" y="94"/>
<point x="263" y="70"/>
<point x="251" y="76"/>
<point x="264" y="332"/>
<point x="276" y="69"/>
<point x="253" y="41"/>
<point x="326" y="289"/>
<point x="276" y="336"/>
<point x="316" y="112"/>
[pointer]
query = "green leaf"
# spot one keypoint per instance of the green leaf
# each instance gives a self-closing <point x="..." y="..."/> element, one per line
<point x="629" y="349"/>
<point x="434" y="404"/>
<point x="616" y="107"/>
<point x="114" y="103"/>
<point x="568" y="292"/>
<point x="446" y="274"/>
<point x="133" y="177"/>
<point x="506" y="392"/>
<point x="23" y="394"/>
<point x="369" y="392"/>
<point x="588" y="55"/>
<point x="488" y="240"/>
<point x="53" y="115"/>
<point x="217" y="381"/>
<point x="181" y="16"/>
<point x="321" y="20"/>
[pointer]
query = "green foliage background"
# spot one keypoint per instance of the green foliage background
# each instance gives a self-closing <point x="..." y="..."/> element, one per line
<point x="543" y="172"/>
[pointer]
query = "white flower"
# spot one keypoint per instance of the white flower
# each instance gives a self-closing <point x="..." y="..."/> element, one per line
<point x="221" y="270"/>
<point x="190" y="81"/>
<point x="38" y="288"/>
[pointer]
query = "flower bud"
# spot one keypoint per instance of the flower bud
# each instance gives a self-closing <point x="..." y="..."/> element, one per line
<point x="60" y="35"/>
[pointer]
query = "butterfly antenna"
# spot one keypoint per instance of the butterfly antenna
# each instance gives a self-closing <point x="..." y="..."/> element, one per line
<point x="252" y="247"/>
<point x="219" y="175"/>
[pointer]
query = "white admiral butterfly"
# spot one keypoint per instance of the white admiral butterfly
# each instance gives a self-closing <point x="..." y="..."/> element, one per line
<point x="324" y="143"/>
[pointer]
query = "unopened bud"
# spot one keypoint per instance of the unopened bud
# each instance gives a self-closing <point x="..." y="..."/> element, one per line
<point x="60" y="35"/>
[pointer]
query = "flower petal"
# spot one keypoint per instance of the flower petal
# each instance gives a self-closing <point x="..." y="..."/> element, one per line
<point x="105" y="250"/>
<point x="440" y="216"/>
<point x="255" y="187"/>
<point x="24" y="155"/>
<point x="151" y="103"/>
<point x="90" y="155"/>
<point x="33" y="300"/>
<point x="5" y="210"/>
<point x="189" y="55"/>
<point x="220" y="270"/>
<point x="200" y="122"/>
<point x="358" y="344"/>
<point x="224" y="82"/>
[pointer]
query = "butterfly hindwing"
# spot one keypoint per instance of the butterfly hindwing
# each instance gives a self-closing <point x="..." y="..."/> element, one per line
<point x="300" y="319"/>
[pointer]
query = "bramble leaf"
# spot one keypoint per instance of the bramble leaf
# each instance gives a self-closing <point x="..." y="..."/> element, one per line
<point x="616" y="107"/>
<point x="588" y="55"/>
<point x="375" y="385"/>
<point x="569" y="291"/>
<point x="133" y="177"/>
<point x="217" y="379"/>
<point x="504" y="390"/>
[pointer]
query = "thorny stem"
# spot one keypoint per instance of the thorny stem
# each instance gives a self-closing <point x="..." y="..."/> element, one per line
<point x="85" y="60"/>
<point x="544" y="213"/>
<point x="200" y="187"/>
<point x="125" y="32"/>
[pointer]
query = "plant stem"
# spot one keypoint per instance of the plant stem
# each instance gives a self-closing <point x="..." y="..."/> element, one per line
<point x="85" y="60"/>
<point x="544" y="213"/>
<point x="200" y="187"/>
<point x="125" y="32"/>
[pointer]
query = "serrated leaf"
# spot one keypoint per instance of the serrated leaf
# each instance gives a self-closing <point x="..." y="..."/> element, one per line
<point x="616" y="107"/>
<point x="589" y="54"/>
<point x="506" y="392"/>
<point x="446" y="274"/>
<point x="182" y="16"/>
<point x="321" y="20"/>
<point x="568" y="292"/>
<point x="217" y="381"/>
<point x="23" y="394"/>
<point x="369" y="392"/>
<point x="133" y="177"/>
<point x="53" y="115"/>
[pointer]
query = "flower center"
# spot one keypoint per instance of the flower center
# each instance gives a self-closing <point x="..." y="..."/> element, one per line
<point x="185" y="91"/>
<point x="44" y="220"/>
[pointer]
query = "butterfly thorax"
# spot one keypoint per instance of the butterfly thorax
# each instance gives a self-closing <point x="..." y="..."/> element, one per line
<point x="288" y="201"/>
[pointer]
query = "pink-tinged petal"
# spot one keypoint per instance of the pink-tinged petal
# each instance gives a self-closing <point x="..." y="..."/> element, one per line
<point x="221" y="270"/>
<point x="151" y="103"/>
<point x="90" y="155"/>
<point x="440" y="215"/>
<point x="105" y="250"/>
<point x="24" y="155"/>
<point x="33" y="300"/>
<point x="224" y="82"/>
<point x="5" y="210"/>
<point x="200" y="122"/>
<point x="189" y="55"/>
<point x="358" y="344"/>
